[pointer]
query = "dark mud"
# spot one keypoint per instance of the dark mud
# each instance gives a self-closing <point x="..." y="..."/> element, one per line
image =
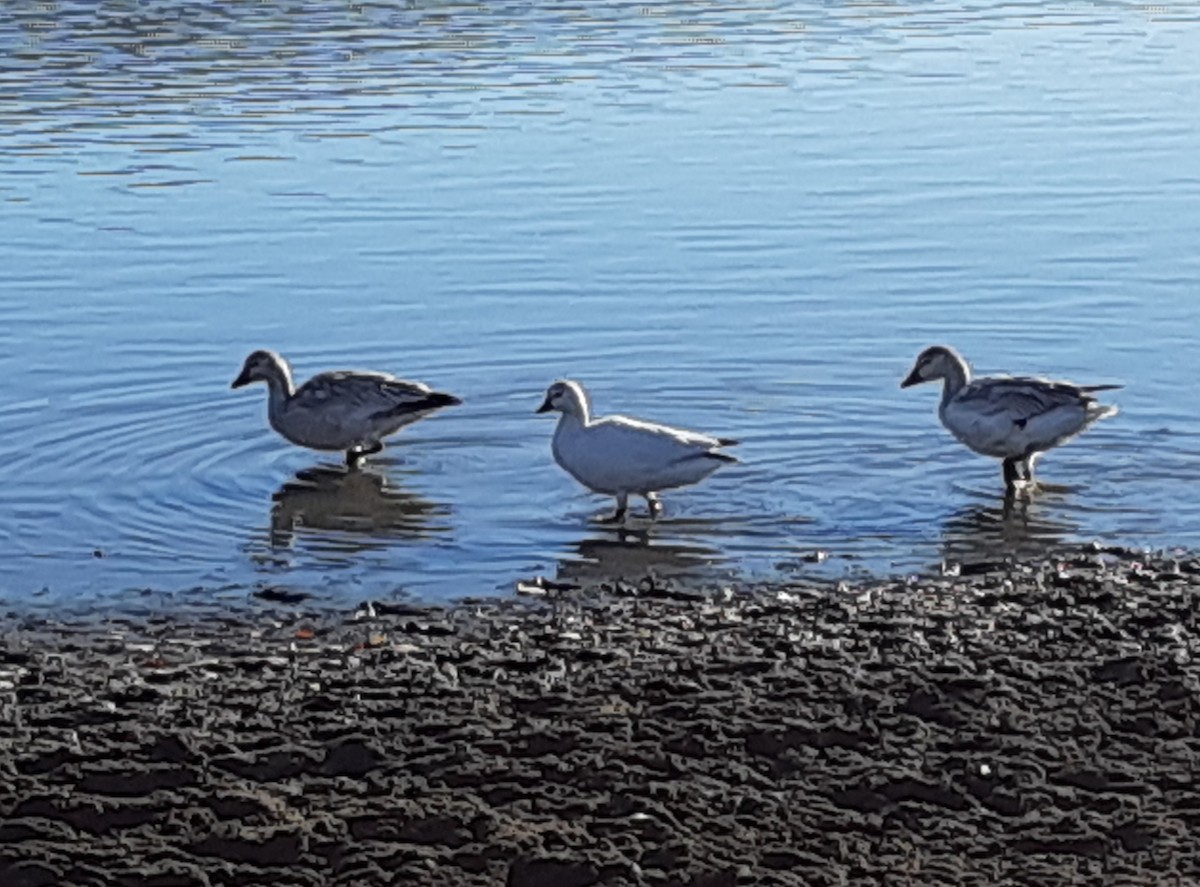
<point x="1026" y="724"/>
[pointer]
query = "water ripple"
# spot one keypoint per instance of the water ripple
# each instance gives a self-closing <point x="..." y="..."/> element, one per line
<point x="745" y="220"/>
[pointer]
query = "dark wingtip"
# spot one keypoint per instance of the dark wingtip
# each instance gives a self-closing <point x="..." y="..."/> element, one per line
<point x="728" y="441"/>
<point x="440" y="399"/>
<point x="722" y="457"/>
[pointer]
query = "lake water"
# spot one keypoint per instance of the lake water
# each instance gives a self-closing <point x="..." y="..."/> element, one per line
<point x="746" y="219"/>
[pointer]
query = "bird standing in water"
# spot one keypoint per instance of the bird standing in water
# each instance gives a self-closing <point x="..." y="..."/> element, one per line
<point x="619" y="456"/>
<point x="1013" y="418"/>
<point x="345" y="410"/>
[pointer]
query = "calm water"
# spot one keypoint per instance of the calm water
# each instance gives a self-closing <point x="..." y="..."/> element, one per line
<point x="743" y="219"/>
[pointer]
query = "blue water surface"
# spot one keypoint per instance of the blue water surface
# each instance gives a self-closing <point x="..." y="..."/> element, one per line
<point x="744" y="219"/>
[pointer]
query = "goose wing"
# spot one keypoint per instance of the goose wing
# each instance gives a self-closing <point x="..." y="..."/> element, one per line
<point x="1011" y="416"/>
<point x="359" y="391"/>
<point x="651" y="440"/>
<point x="357" y="396"/>
<point x="1026" y="397"/>
<point x="618" y="453"/>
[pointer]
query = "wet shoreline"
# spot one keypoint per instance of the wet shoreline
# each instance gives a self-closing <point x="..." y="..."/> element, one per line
<point x="1033" y="722"/>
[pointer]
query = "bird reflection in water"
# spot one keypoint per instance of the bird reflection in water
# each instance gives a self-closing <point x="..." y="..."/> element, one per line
<point x="351" y="509"/>
<point x="1015" y="526"/>
<point x="631" y="554"/>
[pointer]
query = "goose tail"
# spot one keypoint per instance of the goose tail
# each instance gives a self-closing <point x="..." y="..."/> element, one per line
<point x="1096" y="410"/>
<point x="434" y="400"/>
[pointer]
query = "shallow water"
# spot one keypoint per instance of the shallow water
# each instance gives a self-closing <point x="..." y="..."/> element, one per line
<point x="743" y="219"/>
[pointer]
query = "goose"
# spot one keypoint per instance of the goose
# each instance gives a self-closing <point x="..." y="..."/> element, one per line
<point x="619" y="456"/>
<point x="341" y="410"/>
<point x="1013" y="418"/>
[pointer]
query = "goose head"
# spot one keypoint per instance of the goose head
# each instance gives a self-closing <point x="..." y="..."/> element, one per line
<point x="264" y="366"/>
<point x="566" y="397"/>
<point x="938" y="362"/>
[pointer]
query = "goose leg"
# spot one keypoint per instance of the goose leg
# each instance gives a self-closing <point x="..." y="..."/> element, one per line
<point x="654" y="504"/>
<point x="1027" y="466"/>
<point x="622" y="508"/>
<point x="356" y="454"/>
<point x="1011" y="474"/>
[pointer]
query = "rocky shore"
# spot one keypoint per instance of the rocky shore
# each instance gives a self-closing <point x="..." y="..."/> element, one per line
<point x="1025" y="724"/>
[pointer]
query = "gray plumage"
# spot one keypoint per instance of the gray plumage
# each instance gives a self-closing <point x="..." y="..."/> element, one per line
<point x="1013" y="418"/>
<point x="1025" y="397"/>
<point x="345" y="410"/>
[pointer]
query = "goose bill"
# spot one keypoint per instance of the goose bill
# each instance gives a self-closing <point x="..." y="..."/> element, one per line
<point x="243" y="379"/>
<point x="913" y="379"/>
<point x="545" y="407"/>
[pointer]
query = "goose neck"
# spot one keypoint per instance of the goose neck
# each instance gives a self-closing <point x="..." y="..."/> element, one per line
<point x="572" y="422"/>
<point x="958" y="375"/>
<point x="279" y="391"/>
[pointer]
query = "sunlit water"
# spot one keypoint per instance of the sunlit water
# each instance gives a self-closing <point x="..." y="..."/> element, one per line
<point x="747" y="220"/>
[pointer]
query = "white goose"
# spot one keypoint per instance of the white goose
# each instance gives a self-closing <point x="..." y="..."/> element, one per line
<point x="341" y="410"/>
<point x="618" y="456"/>
<point x="1014" y="418"/>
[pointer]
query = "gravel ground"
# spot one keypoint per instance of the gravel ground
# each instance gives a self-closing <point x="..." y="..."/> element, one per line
<point x="1025" y="724"/>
